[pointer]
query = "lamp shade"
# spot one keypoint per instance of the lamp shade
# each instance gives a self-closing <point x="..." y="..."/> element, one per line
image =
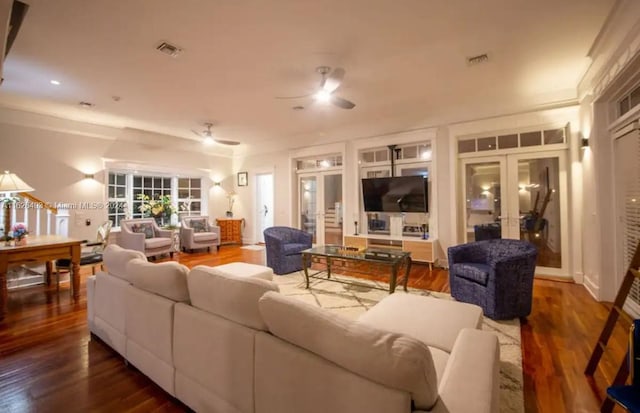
<point x="12" y="183"/>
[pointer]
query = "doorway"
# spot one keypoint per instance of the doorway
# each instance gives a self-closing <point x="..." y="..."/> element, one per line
<point x="321" y="207"/>
<point x="264" y="204"/>
<point x="519" y="196"/>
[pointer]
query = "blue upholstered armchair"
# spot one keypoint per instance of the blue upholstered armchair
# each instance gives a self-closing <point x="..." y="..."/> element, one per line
<point x="283" y="248"/>
<point x="495" y="274"/>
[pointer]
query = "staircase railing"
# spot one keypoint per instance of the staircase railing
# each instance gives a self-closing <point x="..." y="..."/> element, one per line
<point x="40" y="217"/>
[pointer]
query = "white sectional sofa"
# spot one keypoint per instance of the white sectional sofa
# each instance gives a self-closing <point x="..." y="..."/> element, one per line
<point x="223" y="339"/>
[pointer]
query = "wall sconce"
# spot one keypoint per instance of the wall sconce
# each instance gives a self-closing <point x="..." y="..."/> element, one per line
<point x="89" y="176"/>
<point x="217" y="183"/>
<point x="585" y="143"/>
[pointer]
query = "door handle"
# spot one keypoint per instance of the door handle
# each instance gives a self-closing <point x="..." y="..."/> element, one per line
<point x="266" y="210"/>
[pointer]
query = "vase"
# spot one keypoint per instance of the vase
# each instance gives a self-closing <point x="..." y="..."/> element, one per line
<point x="229" y="214"/>
<point x="21" y="242"/>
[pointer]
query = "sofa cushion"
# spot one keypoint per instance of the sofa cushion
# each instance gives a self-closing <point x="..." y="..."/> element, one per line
<point x="245" y="270"/>
<point x="205" y="236"/>
<point x="145" y="228"/>
<point x="478" y="273"/>
<point x="198" y="225"/>
<point x="394" y="360"/>
<point x="167" y="279"/>
<point x="413" y="315"/>
<point x="230" y="296"/>
<point x="116" y="258"/>
<point x="293" y="248"/>
<point x="153" y="243"/>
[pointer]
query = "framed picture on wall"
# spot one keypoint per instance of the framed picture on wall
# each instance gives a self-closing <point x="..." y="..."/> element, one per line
<point x="242" y="178"/>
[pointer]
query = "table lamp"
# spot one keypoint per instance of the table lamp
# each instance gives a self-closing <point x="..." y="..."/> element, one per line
<point x="10" y="184"/>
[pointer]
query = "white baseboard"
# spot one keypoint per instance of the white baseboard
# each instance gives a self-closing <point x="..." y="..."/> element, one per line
<point x="592" y="287"/>
<point x="578" y="277"/>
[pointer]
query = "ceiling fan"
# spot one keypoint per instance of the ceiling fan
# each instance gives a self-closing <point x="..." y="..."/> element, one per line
<point x="331" y="80"/>
<point x="209" y="138"/>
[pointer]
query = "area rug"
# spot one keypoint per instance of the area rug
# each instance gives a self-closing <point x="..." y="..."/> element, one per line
<point x="253" y="247"/>
<point x="351" y="300"/>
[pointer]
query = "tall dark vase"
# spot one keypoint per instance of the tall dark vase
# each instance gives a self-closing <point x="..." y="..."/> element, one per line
<point x="229" y="214"/>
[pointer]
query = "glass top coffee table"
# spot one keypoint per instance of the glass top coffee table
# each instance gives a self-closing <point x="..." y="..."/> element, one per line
<point x="367" y="261"/>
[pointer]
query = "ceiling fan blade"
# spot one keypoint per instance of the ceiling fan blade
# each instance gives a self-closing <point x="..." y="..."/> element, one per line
<point x="342" y="103"/>
<point x="334" y="79"/>
<point x="227" y="142"/>
<point x="294" y="97"/>
<point x="196" y="133"/>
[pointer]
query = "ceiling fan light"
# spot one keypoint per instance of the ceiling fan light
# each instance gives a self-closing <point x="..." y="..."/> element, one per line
<point x="322" y="96"/>
<point x="208" y="141"/>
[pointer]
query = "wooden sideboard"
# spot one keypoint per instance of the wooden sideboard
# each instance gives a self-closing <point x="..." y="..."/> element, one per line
<point x="421" y="250"/>
<point x="230" y="230"/>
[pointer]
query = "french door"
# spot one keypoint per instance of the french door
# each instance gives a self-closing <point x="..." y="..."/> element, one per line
<point x="321" y="207"/>
<point x="519" y="196"/>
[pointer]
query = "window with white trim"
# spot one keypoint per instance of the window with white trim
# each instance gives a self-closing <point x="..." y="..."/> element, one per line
<point x="189" y="197"/>
<point x="117" y="197"/>
<point x="126" y="189"/>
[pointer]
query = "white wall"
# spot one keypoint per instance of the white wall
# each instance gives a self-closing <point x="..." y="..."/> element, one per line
<point x="615" y="64"/>
<point x="280" y="165"/>
<point x="53" y="160"/>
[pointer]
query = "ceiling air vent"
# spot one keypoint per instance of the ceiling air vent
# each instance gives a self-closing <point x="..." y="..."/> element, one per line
<point x="168" y="48"/>
<point x="476" y="60"/>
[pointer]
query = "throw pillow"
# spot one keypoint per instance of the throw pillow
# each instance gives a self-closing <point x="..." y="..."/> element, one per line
<point x="145" y="228"/>
<point x="199" y="225"/>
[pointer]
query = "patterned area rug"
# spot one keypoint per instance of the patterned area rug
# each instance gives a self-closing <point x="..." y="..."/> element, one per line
<point x="352" y="300"/>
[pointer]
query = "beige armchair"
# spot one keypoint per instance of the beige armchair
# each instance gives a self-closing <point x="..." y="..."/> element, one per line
<point x="144" y="235"/>
<point x="197" y="232"/>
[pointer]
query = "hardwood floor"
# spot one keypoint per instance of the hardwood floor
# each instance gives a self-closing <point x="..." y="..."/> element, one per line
<point x="49" y="364"/>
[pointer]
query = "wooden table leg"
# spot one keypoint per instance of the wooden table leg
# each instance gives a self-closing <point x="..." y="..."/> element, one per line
<point x="75" y="271"/>
<point x="4" y="265"/>
<point x="49" y="272"/>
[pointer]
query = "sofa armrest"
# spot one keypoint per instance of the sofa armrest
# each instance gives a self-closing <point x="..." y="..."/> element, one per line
<point x="131" y="240"/>
<point x="471" y="379"/>
<point x="165" y="233"/>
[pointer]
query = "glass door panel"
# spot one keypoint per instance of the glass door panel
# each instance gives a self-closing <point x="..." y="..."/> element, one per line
<point x="308" y="204"/>
<point x="538" y="198"/>
<point x="483" y="207"/>
<point x="333" y="209"/>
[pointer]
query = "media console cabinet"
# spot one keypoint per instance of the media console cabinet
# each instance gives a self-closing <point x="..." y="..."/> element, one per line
<point x="422" y="250"/>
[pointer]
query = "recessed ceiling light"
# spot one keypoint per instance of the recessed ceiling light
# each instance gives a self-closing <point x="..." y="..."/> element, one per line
<point x="298" y="107"/>
<point x="55" y="82"/>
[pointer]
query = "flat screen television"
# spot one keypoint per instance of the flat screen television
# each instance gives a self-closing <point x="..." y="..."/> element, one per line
<point x="396" y="194"/>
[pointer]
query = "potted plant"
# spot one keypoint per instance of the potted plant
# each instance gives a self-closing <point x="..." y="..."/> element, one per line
<point x="20" y="232"/>
<point x="159" y="208"/>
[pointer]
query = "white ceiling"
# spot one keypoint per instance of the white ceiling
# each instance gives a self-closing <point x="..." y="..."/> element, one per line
<point x="405" y="63"/>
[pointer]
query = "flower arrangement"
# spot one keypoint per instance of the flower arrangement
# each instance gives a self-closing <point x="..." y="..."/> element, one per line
<point x="158" y="207"/>
<point x="19" y="231"/>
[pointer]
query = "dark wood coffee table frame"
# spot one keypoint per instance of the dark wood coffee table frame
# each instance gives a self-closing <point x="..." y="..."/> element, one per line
<point x="333" y="257"/>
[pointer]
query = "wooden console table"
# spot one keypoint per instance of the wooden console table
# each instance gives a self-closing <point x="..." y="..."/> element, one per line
<point x="46" y="248"/>
<point x="230" y="230"/>
<point x="421" y="250"/>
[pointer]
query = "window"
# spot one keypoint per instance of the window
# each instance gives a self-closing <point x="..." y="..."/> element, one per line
<point x="516" y="140"/>
<point x="125" y="191"/>
<point x="629" y="101"/>
<point x="117" y="197"/>
<point x="189" y="197"/>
